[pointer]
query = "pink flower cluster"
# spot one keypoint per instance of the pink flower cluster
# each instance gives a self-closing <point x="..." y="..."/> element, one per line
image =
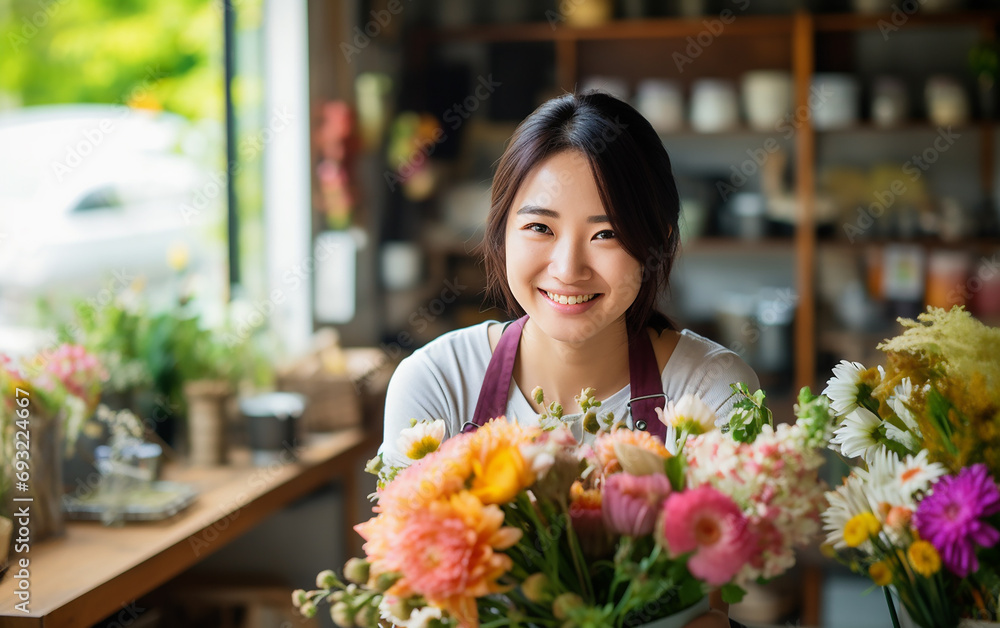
<point x="76" y="370"/>
<point x="775" y="482"/>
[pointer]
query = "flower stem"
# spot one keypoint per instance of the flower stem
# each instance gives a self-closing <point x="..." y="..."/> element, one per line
<point x="892" y="607"/>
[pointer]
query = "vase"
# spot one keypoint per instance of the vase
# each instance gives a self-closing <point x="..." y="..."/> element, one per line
<point x="208" y="444"/>
<point x="6" y="538"/>
<point x="681" y="618"/>
<point x="39" y="490"/>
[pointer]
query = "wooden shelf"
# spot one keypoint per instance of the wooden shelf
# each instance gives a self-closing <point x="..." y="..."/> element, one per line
<point x="94" y="571"/>
<point x="653" y="28"/>
<point x="981" y="245"/>
<point x="737" y="246"/>
<point x="915" y="126"/>
<point x="984" y="20"/>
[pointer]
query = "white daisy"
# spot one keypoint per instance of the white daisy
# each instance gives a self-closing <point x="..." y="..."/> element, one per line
<point x="846" y="501"/>
<point x="421" y="439"/>
<point x="881" y="480"/>
<point x="842" y="388"/>
<point x="915" y="475"/>
<point x="858" y="434"/>
<point x="688" y="414"/>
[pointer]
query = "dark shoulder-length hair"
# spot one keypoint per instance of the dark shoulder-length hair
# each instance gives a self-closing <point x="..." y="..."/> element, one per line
<point x="633" y="174"/>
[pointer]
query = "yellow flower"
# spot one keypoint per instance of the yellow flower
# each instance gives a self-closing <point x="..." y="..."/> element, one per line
<point x="499" y="478"/>
<point x="860" y="528"/>
<point x="178" y="256"/>
<point x="924" y="558"/>
<point x="880" y="573"/>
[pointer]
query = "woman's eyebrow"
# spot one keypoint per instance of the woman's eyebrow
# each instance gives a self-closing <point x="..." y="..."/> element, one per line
<point x="549" y="213"/>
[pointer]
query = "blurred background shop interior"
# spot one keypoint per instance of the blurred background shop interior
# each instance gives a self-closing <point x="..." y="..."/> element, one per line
<point x="313" y="177"/>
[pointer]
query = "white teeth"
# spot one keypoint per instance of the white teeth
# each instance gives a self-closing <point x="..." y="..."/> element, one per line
<point x="572" y="300"/>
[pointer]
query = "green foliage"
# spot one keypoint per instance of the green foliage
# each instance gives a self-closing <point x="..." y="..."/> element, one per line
<point x="676" y="467"/>
<point x="749" y="414"/>
<point x="953" y="339"/>
<point x="732" y="594"/>
<point x="161" y="55"/>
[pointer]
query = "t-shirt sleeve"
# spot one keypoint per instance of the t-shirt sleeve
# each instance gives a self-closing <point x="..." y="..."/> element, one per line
<point x="415" y="391"/>
<point x="709" y="370"/>
<point x="722" y="371"/>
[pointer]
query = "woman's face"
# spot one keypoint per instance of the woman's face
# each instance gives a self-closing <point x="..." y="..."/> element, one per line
<point x="565" y="266"/>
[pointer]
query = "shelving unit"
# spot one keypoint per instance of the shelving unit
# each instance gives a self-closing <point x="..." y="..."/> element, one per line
<point x="637" y="49"/>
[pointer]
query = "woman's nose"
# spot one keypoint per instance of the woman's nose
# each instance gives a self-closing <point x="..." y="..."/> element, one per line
<point x="569" y="263"/>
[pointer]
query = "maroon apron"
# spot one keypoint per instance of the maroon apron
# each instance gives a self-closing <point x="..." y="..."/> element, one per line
<point x="644" y="378"/>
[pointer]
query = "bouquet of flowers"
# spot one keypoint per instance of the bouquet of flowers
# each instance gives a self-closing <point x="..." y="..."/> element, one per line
<point x="920" y="512"/>
<point x="526" y="526"/>
<point x="45" y="401"/>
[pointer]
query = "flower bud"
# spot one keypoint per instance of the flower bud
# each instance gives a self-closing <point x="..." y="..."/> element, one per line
<point x="356" y="570"/>
<point x="536" y="588"/>
<point x="386" y="580"/>
<point x="565" y="603"/>
<point x="374" y="465"/>
<point x="340" y="613"/>
<point x="400" y="608"/>
<point x="556" y="410"/>
<point x="337" y="596"/>
<point x="299" y="597"/>
<point x="590" y="423"/>
<point x="308" y="609"/>
<point x="366" y="617"/>
<point x="537" y="395"/>
<point x="326" y="579"/>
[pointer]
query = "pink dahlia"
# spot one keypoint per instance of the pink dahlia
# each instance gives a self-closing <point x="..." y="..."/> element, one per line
<point x="632" y="502"/>
<point x="711" y="525"/>
<point x="953" y="517"/>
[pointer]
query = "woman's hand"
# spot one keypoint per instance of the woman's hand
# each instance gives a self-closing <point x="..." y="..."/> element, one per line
<point x="712" y="619"/>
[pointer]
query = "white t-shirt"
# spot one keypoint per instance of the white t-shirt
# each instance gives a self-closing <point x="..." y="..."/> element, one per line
<point x="442" y="380"/>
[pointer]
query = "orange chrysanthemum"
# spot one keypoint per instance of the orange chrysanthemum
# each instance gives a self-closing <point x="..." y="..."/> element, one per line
<point x="604" y="447"/>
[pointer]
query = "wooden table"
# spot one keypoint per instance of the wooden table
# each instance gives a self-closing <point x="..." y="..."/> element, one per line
<point x="94" y="571"/>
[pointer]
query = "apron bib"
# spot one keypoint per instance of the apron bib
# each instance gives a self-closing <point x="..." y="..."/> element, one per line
<point x="644" y="379"/>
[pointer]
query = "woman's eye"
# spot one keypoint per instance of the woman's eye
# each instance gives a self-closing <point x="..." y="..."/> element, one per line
<point x="607" y="234"/>
<point x="537" y="228"/>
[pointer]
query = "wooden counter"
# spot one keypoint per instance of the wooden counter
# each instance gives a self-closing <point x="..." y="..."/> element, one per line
<point x="94" y="571"/>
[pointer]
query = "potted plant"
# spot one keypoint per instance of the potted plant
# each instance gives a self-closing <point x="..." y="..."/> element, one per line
<point x="47" y="398"/>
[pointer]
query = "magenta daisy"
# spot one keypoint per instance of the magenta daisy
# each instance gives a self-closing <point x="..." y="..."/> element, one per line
<point x="952" y="517"/>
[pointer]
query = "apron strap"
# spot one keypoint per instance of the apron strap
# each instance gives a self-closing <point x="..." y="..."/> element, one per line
<point x="646" y="385"/>
<point x="493" y="395"/>
<point x="644" y="380"/>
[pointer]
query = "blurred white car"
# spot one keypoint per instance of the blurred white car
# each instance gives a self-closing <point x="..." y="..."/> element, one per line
<point x="92" y="196"/>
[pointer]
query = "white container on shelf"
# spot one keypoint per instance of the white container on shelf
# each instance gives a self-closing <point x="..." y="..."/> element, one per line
<point x="661" y="102"/>
<point x="890" y="105"/>
<point x="767" y="97"/>
<point x="714" y="105"/>
<point x="947" y="102"/>
<point x="833" y="101"/>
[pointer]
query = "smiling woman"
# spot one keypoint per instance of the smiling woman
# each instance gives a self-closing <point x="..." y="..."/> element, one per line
<point x="580" y="240"/>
